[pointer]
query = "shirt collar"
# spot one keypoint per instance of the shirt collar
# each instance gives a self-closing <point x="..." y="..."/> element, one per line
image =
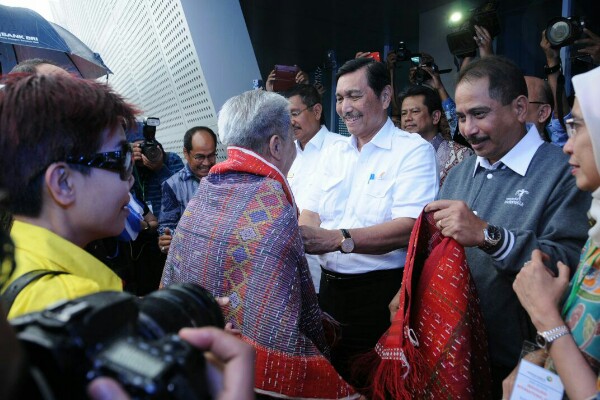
<point x="382" y="139"/>
<point x="316" y="141"/>
<point x="188" y="174"/>
<point x="519" y="157"/>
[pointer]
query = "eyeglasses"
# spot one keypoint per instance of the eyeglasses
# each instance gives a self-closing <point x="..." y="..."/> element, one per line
<point x="570" y="124"/>
<point x="537" y="102"/>
<point x="201" y="157"/>
<point x="120" y="161"/>
<point x="296" y="114"/>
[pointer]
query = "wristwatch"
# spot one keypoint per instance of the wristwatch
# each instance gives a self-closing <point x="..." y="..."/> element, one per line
<point x="550" y="70"/>
<point x="492" y="235"/>
<point x="347" y="245"/>
<point x="543" y="339"/>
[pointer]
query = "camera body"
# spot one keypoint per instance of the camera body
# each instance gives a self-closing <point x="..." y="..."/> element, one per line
<point x="421" y="75"/>
<point x="118" y="335"/>
<point x="461" y="42"/>
<point x="562" y="31"/>
<point x="285" y="77"/>
<point x="150" y="147"/>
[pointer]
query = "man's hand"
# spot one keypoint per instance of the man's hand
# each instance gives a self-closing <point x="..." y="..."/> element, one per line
<point x="320" y="240"/>
<point x="164" y="241"/>
<point x="456" y="220"/>
<point x="484" y="41"/>
<point x="361" y="54"/>
<point x="552" y="55"/>
<point x="592" y="45"/>
<point x="269" y="82"/>
<point x="138" y="156"/>
<point x="390" y="61"/>
<point x="540" y="292"/>
<point x="302" y="78"/>
<point x="234" y="357"/>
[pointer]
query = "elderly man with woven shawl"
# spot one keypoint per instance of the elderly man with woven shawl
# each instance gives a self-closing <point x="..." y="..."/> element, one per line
<point x="239" y="238"/>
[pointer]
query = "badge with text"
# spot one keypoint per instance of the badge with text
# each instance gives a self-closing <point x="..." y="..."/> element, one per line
<point x="535" y="382"/>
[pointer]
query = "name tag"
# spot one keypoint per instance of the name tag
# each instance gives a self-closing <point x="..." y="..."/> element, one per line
<point x="534" y="382"/>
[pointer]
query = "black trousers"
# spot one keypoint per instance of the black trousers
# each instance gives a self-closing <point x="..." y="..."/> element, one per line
<point x="359" y="302"/>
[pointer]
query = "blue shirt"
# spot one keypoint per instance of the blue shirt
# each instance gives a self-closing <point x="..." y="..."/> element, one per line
<point x="176" y="193"/>
<point x="148" y="183"/>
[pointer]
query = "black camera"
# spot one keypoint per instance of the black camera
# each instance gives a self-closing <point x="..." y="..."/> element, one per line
<point x="150" y="147"/>
<point x="421" y="75"/>
<point x="118" y="335"/>
<point x="563" y="31"/>
<point x="417" y="74"/>
<point x="461" y="42"/>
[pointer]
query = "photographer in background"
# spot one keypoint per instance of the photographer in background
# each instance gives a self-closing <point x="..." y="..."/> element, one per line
<point x="153" y="166"/>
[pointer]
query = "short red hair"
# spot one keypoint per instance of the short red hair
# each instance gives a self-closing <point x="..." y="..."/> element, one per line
<point x="43" y="119"/>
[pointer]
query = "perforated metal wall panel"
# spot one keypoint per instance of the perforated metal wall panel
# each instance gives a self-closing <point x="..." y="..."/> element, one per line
<point x="155" y="60"/>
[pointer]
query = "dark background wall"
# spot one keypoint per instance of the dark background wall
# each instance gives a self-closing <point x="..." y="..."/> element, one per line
<point x="301" y="32"/>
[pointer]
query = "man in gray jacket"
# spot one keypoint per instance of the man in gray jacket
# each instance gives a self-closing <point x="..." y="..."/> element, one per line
<point x="515" y="196"/>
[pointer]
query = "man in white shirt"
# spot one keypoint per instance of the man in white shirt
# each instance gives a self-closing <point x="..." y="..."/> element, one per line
<point x="312" y="137"/>
<point x="363" y="202"/>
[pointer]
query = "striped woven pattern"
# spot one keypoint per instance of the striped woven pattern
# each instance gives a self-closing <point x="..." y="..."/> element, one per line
<point x="239" y="238"/>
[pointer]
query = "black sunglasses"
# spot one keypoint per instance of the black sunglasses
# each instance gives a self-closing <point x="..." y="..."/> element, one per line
<point x="120" y="161"/>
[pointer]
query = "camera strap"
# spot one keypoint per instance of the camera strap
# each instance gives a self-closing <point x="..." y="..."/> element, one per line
<point x="13" y="290"/>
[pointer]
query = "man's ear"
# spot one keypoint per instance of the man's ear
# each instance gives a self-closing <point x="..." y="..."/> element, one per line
<point x="317" y="110"/>
<point x="386" y="96"/>
<point x="60" y="184"/>
<point x="544" y="112"/>
<point x="520" y="105"/>
<point x="436" y="116"/>
<point x="276" y="147"/>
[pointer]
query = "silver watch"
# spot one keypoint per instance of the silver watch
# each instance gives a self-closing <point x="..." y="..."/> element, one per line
<point x="347" y="245"/>
<point x="543" y="339"/>
<point x="492" y="235"/>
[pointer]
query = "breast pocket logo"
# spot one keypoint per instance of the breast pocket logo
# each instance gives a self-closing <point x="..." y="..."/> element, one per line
<point x="518" y="199"/>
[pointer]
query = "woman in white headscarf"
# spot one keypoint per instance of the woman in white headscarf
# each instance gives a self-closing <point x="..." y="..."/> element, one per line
<point x="567" y="315"/>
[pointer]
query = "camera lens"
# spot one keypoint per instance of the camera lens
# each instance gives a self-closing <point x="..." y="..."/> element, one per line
<point x="175" y="307"/>
<point x="564" y="31"/>
<point x="152" y="151"/>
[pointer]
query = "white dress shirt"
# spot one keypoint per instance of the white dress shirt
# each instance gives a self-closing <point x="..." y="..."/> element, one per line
<point x="299" y="177"/>
<point x="393" y="176"/>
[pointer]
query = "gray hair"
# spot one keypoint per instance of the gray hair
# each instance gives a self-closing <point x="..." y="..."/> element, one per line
<point x="250" y="119"/>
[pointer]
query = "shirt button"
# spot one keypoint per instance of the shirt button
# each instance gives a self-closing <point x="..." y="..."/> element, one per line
<point x="489" y="176"/>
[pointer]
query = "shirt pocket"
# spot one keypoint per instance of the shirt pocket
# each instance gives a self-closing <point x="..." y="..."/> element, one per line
<point x="333" y="199"/>
<point x="377" y="202"/>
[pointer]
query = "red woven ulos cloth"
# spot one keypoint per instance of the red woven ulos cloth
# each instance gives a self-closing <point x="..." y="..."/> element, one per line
<point x="436" y="347"/>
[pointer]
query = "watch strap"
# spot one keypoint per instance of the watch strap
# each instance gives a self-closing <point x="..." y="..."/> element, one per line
<point x="346" y="233"/>
<point x="553" y="69"/>
<point x="543" y="339"/>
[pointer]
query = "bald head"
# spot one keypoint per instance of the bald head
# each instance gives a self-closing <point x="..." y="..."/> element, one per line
<point x="541" y="102"/>
<point x="49" y="69"/>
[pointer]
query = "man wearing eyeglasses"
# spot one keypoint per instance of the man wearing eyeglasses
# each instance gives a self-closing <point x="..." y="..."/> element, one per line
<point x="67" y="171"/>
<point x="312" y="137"/>
<point x="200" y="152"/>
<point x="517" y="195"/>
<point x="541" y="101"/>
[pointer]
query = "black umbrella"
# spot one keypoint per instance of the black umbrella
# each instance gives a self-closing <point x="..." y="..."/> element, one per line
<point x="24" y="34"/>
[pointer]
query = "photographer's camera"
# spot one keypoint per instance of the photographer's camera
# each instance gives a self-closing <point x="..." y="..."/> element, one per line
<point x="118" y="335"/>
<point x="150" y="147"/>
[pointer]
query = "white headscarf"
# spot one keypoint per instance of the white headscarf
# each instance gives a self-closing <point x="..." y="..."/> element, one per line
<point x="587" y="90"/>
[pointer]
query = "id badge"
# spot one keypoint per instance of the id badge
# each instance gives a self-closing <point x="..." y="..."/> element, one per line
<point x="533" y="381"/>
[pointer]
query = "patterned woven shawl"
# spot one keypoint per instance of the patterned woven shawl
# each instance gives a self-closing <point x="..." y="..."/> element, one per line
<point x="239" y="237"/>
<point x="436" y="347"/>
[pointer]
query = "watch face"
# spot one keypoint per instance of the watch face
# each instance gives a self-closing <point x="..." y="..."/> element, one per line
<point x="347" y="245"/>
<point x="540" y="341"/>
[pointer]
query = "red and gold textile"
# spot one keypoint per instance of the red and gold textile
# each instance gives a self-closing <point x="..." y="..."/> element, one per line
<point x="239" y="237"/>
<point x="436" y="347"/>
